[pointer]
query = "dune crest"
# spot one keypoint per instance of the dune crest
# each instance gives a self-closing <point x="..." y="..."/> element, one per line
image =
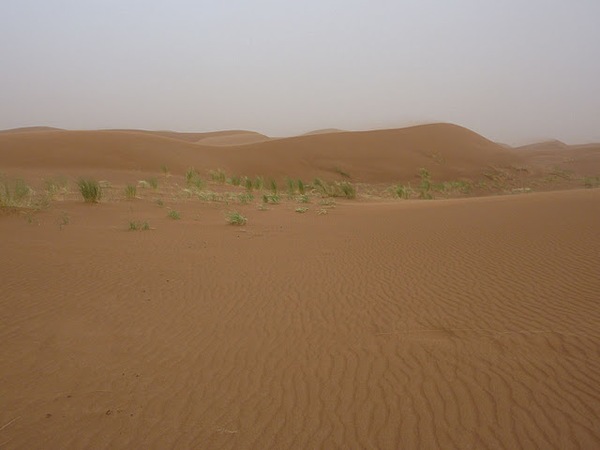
<point x="448" y="151"/>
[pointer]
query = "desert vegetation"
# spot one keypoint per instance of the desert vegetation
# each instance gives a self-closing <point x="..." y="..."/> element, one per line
<point x="90" y="190"/>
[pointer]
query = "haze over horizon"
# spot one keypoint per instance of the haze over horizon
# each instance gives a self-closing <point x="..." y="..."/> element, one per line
<point x="513" y="71"/>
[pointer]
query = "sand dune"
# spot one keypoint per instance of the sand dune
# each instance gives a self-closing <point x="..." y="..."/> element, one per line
<point x="448" y="151"/>
<point x="30" y="130"/>
<point x="468" y="323"/>
<point x="325" y="131"/>
<point x="375" y="323"/>
<point x="241" y="138"/>
<point x="579" y="159"/>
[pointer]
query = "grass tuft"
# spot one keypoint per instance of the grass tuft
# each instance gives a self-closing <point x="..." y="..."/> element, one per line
<point x="591" y="182"/>
<point x="130" y="191"/>
<point x="90" y="190"/>
<point x="271" y="198"/>
<point x="55" y="186"/>
<point x="235" y="218"/>
<point x="135" y="225"/>
<point x="245" y="197"/>
<point x="193" y="179"/>
<point x="218" y="176"/>
<point x="174" y="215"/>
<point x="348" y="189"/>
<point x="15" y="195"/>
<point x="425" y="184"/>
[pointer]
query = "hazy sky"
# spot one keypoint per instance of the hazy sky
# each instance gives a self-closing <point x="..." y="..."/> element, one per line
<point x="512" y="70"/>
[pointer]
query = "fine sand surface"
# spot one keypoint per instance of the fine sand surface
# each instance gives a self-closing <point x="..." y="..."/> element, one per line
<point x="471" y="321"/>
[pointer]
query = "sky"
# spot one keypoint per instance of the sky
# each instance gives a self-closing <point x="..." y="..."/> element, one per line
<point x="515" y="71"/>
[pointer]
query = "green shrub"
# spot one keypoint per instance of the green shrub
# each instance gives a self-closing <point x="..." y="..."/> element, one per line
<point x="425" y="184"/>
<point x="245" y="197"/>
<point x="90" y="190"/>
<point x="130" y="191"/>
<point x="591" y="182"/>
<point x="259" y="183"/>
<point x="320" y="186"/>
<point x="300" y="187"/>
<point x="15" y="195"/>
<point x="348" y="189"/>
<point x="235" y="218"/>
<point x="402" y="191"/>
<point x="271" y="198"/>
<point x="273" y="186"/>
<point x="138" y="225"/>
<point x="218" y="176"/>
<point x="193" y="179"/>
<point x="57" y="185"/>
<point x="174" y="215"/>
<point x="291" y="186"/>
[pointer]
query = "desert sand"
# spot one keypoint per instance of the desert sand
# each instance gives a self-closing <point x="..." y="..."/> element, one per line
<point x="468" y="321"/>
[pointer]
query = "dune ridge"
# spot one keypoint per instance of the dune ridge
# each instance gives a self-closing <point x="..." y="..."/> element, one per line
<point x="448" y="151"/>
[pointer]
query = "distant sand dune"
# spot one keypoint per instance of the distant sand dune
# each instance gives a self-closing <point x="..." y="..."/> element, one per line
<point x="325" y="131"/>
<point x="448" y="151"/>
<point x="29" y="130"/>
<point x="580" y="159"/>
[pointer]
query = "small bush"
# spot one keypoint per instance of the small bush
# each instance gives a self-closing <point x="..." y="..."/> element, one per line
<point x="271" y="198"/>
<point x="15" y="195"/>
<point x="320" y="187"/>
<point x="165" y="170"/>
<point x="174" y="215"/>
<point x="291" y="186"/>
<point x="138" y="225"/>
<point x="259" y="183"/>
<point x="273" y="186"/>
<point x="591" y="182"/>
<point x="55" y="186"/>
<point x="425" y="185"/>
<point x="90" y="190"/>
<point x="218" y="176"/>
<point x="348" y="189"/>
<point x="402" y="191"/>
<point x="235" y="218"/>
<point x="248" y="184"/>
<point x="303" y="198"/>
<point x="300" y="187"/>
<point x="301" y="210"/>
<point x="153" y="182"/>
<point x="245" y="197"/>
<point x="193" y="179"/>
<point x="130" y="191"/>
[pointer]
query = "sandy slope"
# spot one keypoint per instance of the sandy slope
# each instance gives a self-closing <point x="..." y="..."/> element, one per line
<point x="385" y="156"/>
<point x="467" y="323"/>
<point x="580" y="159"/>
